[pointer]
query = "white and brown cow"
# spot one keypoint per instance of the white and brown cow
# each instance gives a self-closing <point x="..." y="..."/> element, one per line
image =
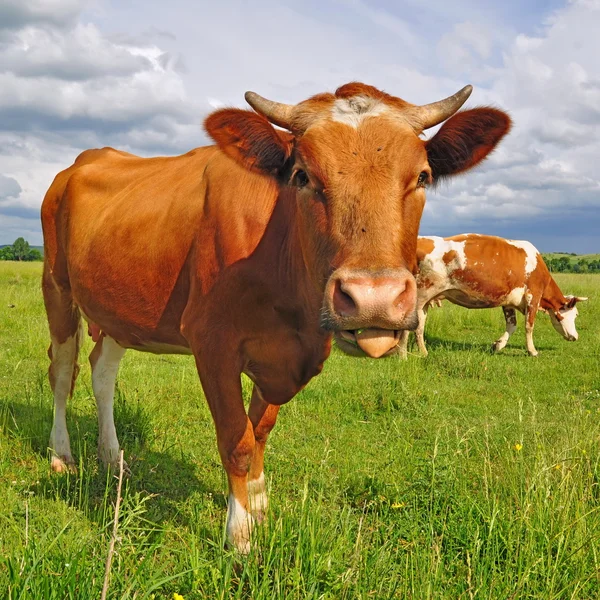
<point x="484" y="271"/>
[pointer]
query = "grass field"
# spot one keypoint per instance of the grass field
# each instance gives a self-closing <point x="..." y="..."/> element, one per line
<point x="572" y="259"/>
<point x="463" y="475"/>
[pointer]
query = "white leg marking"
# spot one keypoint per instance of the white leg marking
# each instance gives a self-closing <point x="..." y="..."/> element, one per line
<point x="239" y="525"/>
<point x="420" y="331"/>
<point x="511" y="326"/>
<point x="63" y="363"/>
<point x="403" y="345"/>
<point x="501" y="341"/>
<point x="104" y="375"/>
<point x="529" y="340"/>
<point x="258" y="501"/>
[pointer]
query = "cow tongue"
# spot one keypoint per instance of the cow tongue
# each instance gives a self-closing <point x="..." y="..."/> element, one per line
<point x="376" y="342"/>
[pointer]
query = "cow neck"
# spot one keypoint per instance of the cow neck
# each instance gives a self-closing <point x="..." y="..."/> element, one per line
<point x="282" y="244"/>
<point x="552" y="298"/>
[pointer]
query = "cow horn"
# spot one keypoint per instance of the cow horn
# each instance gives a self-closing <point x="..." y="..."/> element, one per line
<point x="429" y="115"/>
<point x="277" y="113"/>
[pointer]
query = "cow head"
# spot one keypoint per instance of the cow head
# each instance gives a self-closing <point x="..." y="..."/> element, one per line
<point x="357" y="170"/>
<point x="563" y="319"/>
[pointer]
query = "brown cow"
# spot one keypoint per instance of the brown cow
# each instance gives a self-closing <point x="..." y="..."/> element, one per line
<point x="249" y="255"/>
<point x="484" y="271"/>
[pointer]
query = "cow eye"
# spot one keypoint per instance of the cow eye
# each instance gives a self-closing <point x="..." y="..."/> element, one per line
<point x="300" y="178"/>
<point x="423" y="179"/>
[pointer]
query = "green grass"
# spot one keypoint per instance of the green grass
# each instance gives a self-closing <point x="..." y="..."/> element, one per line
<point x="463" y="475"/>
<point x="573" y="259"/>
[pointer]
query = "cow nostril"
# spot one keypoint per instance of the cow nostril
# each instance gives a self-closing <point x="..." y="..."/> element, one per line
<point x="405" y="293"/>
<point x="343" y="302"/>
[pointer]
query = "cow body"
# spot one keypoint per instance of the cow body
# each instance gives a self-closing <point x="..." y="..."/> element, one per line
<point x="482" y="271"/>
<point x="250" y="255"/>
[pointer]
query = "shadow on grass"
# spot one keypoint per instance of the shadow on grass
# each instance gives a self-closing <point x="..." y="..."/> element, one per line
<point x="167" y="478"/>
<point x="436" y="343"/>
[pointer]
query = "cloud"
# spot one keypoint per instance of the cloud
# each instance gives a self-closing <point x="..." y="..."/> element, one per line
<point x="73" y="76"/>
<point x="83" y="54"/>
<point x="467" y="45"/>
<point x="67" y="86"/>
<point x="544" y="173"/>
<point x="9" y="187"/>
<point x="16" y="13"/>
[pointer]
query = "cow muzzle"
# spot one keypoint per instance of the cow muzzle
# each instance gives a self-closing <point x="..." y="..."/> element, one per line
<point x="368" y="310"/>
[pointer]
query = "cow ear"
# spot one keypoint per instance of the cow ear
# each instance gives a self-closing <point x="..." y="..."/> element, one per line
<point x="465" y="140"/>
<point x="250" y="139"/>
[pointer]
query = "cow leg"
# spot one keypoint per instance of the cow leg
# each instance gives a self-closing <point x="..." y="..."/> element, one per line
<point x="510" y="316"/>
<point x="105" y="359"/>
<point x="420" y="330"/>
<point x="403" y="344"/>
<point x="263" y="417"/>
<point x="529" y="323"/>
<point x="65" y="336"/>
<point x="235" y="440"/>
<point x="63" y="372"/>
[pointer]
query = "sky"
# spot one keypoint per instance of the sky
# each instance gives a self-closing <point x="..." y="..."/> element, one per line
<point x="141" y="75"/>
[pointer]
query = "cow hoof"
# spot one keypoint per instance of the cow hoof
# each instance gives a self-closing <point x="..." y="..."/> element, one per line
<point x="240" y="539"/>
<point x="239" y="526"/>
<point x="258" y="501"/>
<point x="258" y="516"/>
<point x="114" y="467"/>
<point x="63" y="464"/>
<point x="534" y="354"/>
<point x="110" y="460"/>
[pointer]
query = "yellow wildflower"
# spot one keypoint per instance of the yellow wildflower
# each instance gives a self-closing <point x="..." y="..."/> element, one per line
<point x="518" y="447"/>
<point x="177" y="596"/>
<point x="557" y="467"/>
<point x="397" y="505"/>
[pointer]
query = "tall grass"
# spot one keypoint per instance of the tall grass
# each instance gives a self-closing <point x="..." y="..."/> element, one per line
<point x="462" y="475"/>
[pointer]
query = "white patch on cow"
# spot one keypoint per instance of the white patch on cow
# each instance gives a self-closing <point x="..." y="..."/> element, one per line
<point x="353" y="111"/>
<point x="63" y="363"/>
<point x="104" y="375"/>
<point x="566" y="326"/>
<point x="515" y="297"/>
<point x="529" y="298"/>
<point x="435" y="259"/>
<point x="239" y="525"/>
<point x="531" y="252"/>
<point x="434" y="274"/>
<point x="258" y="500"/>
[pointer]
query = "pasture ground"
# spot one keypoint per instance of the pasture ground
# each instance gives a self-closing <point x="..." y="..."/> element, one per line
<point x="572" y="258"/>
<point x="463" y="475"/>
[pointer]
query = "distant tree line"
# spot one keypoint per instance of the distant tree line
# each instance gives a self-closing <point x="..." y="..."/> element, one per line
<point x="564" y="264"/>
<point x="20" y="250"/>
